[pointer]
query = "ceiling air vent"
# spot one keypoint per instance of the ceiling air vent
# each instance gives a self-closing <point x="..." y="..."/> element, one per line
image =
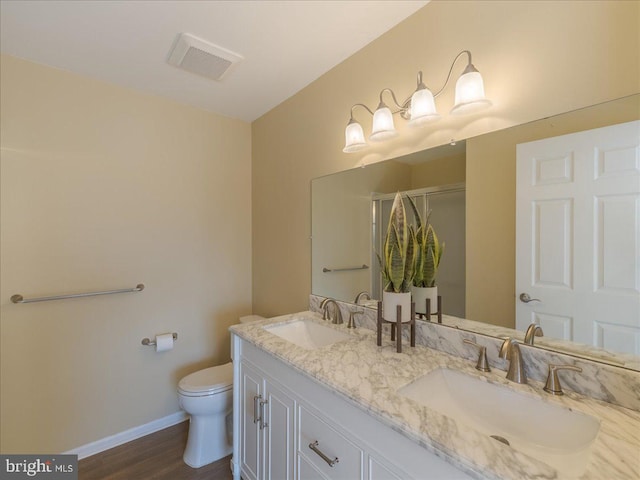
<point x="202" y="58"/>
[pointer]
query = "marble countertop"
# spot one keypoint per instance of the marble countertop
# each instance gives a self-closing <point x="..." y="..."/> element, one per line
<point x="369" y="377"/>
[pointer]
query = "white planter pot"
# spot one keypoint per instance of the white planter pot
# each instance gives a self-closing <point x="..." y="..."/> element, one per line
<point x="420" y="295"/>
<point x="390" y="300"/>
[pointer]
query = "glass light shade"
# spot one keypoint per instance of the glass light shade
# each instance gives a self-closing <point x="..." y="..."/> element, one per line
<point x="423" y="107"/>
<point x="470" y="94"/>
<point x="353" y="138"/>
<point x="383" y="127"/>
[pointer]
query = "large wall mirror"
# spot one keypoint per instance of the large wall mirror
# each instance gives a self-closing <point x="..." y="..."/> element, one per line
<point x="455" y="182"/>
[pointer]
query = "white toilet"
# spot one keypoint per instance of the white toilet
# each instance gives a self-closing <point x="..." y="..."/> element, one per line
<point x="207" y="396"/>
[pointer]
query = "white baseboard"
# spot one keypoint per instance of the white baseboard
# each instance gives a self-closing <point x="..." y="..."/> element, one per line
<point x="128" y="435"/>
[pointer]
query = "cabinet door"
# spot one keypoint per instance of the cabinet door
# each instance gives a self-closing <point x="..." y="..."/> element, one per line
<point x="279" y="432"/>
<point x="377" y="471"/>
<point x="250" y="423"/>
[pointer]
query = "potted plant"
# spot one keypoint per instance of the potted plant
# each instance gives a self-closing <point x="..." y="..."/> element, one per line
<point x="397" y="265"/>
<point x="427" y="260"/>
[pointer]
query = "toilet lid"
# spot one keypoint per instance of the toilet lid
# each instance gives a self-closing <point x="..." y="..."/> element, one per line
<point x="208" y="381"/>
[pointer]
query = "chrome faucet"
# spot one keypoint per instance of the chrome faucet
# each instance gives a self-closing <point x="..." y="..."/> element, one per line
<point x="336" y="315"/>
<point x="360" y="295"/>
<point x="510" y="350"/>
<point x="534" y="330"/>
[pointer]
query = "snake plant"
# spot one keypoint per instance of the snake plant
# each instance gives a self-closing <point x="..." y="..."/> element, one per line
<point x="428" y="252"/>
<point x="397" y="266"/>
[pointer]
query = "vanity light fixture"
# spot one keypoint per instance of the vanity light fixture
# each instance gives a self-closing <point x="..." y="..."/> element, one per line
<point x="418" y="109"/>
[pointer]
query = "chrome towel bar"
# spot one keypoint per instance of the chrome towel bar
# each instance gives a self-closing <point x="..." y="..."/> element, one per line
<point x="20" y="299"/>
<point x="363" y="267"/>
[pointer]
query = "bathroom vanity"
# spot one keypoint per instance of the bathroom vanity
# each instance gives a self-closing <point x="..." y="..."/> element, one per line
<point x="307" y="431"/>
<point x="316" y="400"/>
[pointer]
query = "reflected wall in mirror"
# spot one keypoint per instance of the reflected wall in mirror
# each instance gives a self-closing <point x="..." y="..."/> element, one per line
<point x="350" y="213"/>
<point x="342" y="234"/>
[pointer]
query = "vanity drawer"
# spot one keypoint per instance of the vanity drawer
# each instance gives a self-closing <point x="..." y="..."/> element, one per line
<point x="331" y="444"/>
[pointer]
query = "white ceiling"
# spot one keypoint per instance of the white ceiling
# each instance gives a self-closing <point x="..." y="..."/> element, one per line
<point x="285" y="44"/>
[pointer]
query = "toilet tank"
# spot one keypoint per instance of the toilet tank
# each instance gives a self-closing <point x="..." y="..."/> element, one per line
<point x="251" y="318"/>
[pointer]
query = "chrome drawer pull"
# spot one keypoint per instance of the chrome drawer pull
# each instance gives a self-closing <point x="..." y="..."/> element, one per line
<point x="263" y="424"/>
<point x="256" y="418"/>
<point x="314" y="446"/>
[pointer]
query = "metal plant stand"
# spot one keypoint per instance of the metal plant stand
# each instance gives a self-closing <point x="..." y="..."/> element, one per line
<point x="428" y="310"/>
<point x="397" y="325"/>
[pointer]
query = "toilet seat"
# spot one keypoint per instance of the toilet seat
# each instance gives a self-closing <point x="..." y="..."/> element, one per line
<point x="206" y="382"/>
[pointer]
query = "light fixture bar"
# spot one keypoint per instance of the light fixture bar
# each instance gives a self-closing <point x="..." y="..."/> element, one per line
<point x="420" y="107"/>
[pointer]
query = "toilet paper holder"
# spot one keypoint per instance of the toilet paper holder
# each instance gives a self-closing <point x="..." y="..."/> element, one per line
<point x="152" y="343"/>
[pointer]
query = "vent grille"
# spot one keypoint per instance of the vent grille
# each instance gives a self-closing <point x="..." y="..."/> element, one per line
<point x="202" y="58"/>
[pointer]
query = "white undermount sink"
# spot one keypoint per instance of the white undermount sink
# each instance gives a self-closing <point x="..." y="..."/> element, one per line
<point x="545" y="431"/>
<point x="307" y="333"/>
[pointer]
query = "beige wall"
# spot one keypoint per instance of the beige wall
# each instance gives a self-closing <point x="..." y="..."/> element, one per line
<point x="491" y="216"/>
<point x="439" y="171"/>
<point x="537" y="59"/>
<point x="103" y="188"/>
<point x="342" y="225"/>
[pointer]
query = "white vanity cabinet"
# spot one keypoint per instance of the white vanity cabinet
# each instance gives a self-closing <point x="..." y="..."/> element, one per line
<point x="266" y="426"/>
<point x="287" y="426"/>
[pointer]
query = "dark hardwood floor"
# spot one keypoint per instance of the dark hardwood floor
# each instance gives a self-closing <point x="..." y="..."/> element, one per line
<point x="155" y="457"/>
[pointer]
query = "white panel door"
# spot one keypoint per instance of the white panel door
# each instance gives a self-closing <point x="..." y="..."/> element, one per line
<point x="578" y="237"/>
<point x="280" y="433"/>
<point x="252" y="438"/>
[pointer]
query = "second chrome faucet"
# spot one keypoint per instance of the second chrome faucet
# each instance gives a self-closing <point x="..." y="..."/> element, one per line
<point x="510" y="350"/>
<point x="534" y="330"/>
<point x="334" y="315"/>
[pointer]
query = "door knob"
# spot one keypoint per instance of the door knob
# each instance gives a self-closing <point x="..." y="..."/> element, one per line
<point x="525" y="298"/>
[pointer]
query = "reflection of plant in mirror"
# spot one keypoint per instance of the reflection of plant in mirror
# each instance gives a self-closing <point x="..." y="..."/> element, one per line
<point x="429" y="250"/>
<point x="399" y="248"/>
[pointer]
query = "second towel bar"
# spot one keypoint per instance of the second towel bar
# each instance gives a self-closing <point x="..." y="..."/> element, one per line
<point x="363" y="267"/>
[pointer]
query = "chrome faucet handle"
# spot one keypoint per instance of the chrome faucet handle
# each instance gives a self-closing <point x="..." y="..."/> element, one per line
<point x="533" y="330"/>
<point x="352" y="318"/>
<point x="553" y="382"/>
<point x="482" y="364"/>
